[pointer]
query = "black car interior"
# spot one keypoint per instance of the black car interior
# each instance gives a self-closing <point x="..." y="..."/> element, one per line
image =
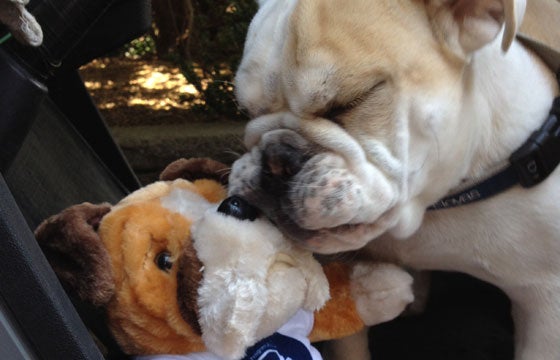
<point x="56" y="151"/>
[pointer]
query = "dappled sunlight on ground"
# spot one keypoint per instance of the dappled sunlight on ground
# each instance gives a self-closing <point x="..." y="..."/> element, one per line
<point x="153" y="78"/>
<point x="138" y="92"/>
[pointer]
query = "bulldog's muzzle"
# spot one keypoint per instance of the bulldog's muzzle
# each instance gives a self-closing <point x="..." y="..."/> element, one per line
<point x="279" y="164"/>
<point x="320" y="196"/>
<point x="266" y="175"/>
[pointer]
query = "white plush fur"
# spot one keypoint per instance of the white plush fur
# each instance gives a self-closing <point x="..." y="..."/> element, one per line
<point x="253" y="281"/>
<point x="374" y="286"/>
<point x="432" y="103"/>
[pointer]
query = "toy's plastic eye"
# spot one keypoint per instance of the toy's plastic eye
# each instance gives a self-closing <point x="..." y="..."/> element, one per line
<point x="163" y="261"/>
<point x="239" y="208"/>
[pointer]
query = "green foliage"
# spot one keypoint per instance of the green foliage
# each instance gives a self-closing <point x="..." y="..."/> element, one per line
<point x="141" y="47"/>
<point x="215" y="45"/>
<point x="211" y="50"/>
<point x="219" y="30"/>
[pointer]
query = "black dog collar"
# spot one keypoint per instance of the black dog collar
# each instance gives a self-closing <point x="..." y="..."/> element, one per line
<point x="528" y="165"/>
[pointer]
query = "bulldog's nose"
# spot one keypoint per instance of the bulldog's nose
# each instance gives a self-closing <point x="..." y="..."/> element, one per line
<point x="239" y="208"/>
<point x="280" y="162"/>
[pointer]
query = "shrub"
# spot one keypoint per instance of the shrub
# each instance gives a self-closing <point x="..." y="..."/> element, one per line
<point x="206" y="40"/>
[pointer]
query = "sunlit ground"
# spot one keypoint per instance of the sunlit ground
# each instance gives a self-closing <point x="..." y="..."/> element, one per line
<point x="136" y="92"/>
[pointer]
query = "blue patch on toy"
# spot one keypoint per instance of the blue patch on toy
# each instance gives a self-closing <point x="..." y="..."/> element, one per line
<point x="278" y="347"/>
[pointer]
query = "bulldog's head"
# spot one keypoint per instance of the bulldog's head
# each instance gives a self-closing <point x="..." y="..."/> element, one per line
<point x="359" y="111"/>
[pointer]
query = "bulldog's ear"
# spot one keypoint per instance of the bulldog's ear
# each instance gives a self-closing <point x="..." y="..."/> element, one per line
<point x="468" y="25"/>
<point x="196" y="168"/>
<point x="72" y="246"/>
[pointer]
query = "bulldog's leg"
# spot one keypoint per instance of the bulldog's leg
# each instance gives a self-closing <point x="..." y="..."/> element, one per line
<point x="536" y="315"/>
<point x="353" y="347"/>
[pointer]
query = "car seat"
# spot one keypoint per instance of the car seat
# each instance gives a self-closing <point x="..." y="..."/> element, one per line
<point x="56" y="151"/>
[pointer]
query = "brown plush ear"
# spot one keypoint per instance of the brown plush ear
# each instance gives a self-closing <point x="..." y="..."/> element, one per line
<point x="76" y="253"/>
<point x="196" y="168"/>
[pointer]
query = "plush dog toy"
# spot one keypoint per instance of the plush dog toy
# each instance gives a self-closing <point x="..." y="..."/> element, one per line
<point x="178" y="272"/>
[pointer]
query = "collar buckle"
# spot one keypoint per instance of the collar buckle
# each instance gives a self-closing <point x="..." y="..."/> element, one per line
<point x="540" y="154"/>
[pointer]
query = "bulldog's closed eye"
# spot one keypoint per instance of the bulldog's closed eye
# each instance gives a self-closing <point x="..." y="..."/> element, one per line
<point x="337" y="110"/>
<point x="163" y="261"/>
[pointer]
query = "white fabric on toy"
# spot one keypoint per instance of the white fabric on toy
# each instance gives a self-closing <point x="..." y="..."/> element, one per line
<point x="299" y="327"/>
<point x="195" y="356"/>
<point x="290" y="342"/>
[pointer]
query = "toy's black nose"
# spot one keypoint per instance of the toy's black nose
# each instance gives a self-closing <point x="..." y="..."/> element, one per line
<point x="239" y="208"/>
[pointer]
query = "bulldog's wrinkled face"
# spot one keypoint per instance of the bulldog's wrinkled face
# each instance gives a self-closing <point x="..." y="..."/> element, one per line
<point x="359" y="116"/>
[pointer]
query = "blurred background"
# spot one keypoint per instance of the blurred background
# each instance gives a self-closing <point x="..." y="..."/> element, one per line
<point x="166" y="92"/>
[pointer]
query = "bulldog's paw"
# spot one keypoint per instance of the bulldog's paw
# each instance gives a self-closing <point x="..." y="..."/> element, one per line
<point x="381" y="291"/>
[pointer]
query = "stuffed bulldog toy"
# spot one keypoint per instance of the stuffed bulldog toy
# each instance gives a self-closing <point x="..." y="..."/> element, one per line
<point x="181" y="269"/>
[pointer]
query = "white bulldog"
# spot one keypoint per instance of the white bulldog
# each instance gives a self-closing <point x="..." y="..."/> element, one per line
<point x="367" y="112"/>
